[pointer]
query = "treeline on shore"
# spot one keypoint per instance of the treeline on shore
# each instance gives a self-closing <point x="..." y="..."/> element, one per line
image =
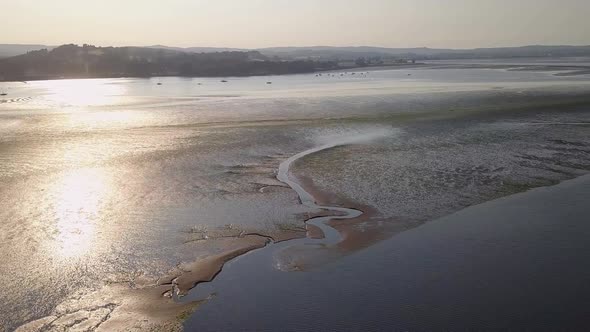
<point x="87" y="61"/>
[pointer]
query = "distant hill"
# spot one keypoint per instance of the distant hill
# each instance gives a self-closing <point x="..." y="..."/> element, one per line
<point x="345" y="53"/>
<point x="332" y="53"/>
<point x="72" y="61"/>
<point x="423" y="53"/>
<point x="419" y="53"/>
<point x="253" y="53"/>
<point x="200" y="49"/>
<point x="8" y="50"/>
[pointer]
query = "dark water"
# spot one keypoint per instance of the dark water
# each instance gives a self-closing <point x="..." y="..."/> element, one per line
<point x="518" y="263"/>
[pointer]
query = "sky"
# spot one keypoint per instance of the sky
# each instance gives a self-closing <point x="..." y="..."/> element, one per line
<point x="267" y="23"/>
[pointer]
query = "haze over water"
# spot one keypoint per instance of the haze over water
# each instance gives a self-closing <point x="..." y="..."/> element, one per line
<point x="109" y="180"/>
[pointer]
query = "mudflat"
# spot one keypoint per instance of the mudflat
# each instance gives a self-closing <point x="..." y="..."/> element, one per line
<point x="121" y="195"/>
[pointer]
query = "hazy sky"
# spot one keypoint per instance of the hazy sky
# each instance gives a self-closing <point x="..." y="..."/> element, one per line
<point x="261" y="23"/>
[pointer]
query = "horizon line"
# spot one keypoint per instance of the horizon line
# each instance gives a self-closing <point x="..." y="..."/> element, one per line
<point x="308" y="46"/>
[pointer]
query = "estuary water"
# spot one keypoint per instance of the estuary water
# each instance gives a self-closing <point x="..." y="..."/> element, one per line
<point x="119" y="180"/>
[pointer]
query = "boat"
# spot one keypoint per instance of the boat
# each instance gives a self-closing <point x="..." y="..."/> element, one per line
<point x="268" y="82"/>
<point x="223" y="81"/>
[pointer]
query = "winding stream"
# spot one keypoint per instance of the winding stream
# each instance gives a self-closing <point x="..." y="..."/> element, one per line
<point x="331" y="235"/>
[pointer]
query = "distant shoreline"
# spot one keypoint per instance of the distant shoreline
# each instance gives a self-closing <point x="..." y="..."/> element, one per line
<point x="89" y="77"/>
<point x="564" y="71"/>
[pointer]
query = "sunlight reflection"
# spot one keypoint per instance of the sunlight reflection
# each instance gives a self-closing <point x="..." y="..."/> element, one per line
<point x="78" y="198"/>
<point x="86" y="92"/>
<point x="103" y="119"/>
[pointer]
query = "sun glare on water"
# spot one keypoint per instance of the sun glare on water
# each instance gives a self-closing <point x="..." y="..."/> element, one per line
<point x="83" y="92"/>
<point x="78" y="196"/>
